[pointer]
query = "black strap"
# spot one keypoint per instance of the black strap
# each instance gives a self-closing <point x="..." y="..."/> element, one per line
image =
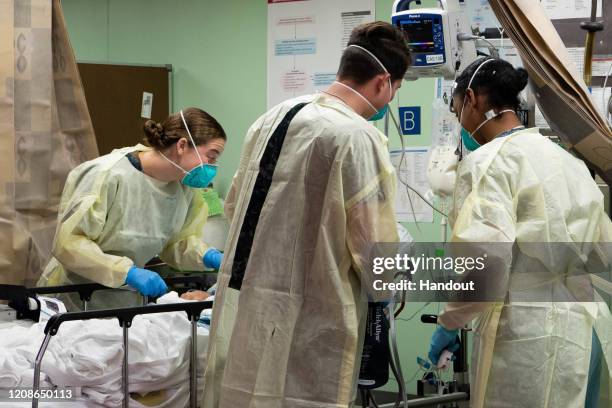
<point x="267" y="164"/>
<point x="135" y="160"/>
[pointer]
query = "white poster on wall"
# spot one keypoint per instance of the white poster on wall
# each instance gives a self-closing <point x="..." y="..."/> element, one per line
<point x="600" y="64"/>
<point x="408" y="206"/>
<point x="305" y="42"/>
<point x="564" y="9"/>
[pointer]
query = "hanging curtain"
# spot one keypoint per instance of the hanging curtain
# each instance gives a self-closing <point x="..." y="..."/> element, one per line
<point x="45" y="131"/>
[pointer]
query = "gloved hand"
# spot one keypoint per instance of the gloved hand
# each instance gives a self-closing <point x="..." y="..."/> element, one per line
<point x="213" y="258"/>
<point x="442" y="339"/>
<point x="146" y="282"/>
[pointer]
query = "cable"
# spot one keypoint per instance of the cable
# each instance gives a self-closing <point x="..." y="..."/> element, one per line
<point x="470" y="37"/>
<point x="399" y="175"/>
<point x="397" y="378"/>
<point x="445" y="223"/>
<point x="399" y="167"/>
<point x="416" y="313"/>
<point x="395" y="355"/>
<point x="402" y="305"/>
<point x="606" y="108"/>
<point x="371" y="399"/>
<point x="396" y="375"/>
<point x="492" y="49"/>
<point x="418" y="370"/>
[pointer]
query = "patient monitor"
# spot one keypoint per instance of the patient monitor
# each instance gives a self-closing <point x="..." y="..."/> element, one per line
<point x="433" y="38"/>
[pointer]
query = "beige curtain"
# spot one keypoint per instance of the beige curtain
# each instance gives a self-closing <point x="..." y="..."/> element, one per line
<point x="45" y="131"/>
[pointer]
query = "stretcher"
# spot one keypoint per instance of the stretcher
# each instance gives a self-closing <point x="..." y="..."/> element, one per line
<point x="21" y="300"/>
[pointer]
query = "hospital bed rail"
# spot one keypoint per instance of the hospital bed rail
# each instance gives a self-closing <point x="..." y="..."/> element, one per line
<point x="125" y="317"/>
<point x="85" y="290"/>
<point x="18" y="298"/>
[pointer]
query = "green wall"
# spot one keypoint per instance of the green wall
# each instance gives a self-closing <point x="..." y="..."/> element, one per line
<point x="218" y="51"/>
<point x="216" y="48"/>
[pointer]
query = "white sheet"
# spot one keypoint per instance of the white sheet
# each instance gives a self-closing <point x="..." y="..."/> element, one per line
<point x="89" y="354"/>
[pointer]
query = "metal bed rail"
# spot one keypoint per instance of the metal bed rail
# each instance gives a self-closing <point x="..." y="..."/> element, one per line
<point x="18" y="295"/>
<point x="19" y="299"/>
<point x="433" y="401"/>
<point x="125" y="317"/>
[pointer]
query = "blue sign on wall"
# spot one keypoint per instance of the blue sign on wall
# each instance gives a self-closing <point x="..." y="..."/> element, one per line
<point x="410" y="120"/>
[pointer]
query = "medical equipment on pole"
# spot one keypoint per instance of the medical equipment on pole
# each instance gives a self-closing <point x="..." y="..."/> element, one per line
<point x="434" y="39"/>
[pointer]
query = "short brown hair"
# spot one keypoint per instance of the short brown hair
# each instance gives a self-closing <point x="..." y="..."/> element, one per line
<point x="387" y="42"/>
<point x="202" y="126"/>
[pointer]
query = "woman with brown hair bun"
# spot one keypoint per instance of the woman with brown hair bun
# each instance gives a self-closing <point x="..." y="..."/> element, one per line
<point x="122" y="209"/>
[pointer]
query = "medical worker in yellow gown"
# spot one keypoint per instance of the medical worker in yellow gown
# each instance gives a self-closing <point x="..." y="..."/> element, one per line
<point x="313" y="194"/>
<point x="120" y="210"/>
<point x="519" y="193"/>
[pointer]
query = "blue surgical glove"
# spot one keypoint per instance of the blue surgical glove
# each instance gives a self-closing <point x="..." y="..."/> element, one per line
<point x="442" y="339"/>
<point x="213" y="258"/>
<point x="148" y="283"/>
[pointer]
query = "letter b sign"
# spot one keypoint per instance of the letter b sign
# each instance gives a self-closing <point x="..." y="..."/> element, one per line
<point x="410" y="120"/>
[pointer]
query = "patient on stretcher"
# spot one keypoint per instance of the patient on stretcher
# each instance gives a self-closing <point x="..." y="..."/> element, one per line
<point x="88" y="355"/>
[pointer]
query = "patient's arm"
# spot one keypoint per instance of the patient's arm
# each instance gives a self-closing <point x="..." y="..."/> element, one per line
<point x="195" y="295"/>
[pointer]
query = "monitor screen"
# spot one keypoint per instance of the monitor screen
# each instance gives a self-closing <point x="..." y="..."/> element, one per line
<point x="420" y="34"/>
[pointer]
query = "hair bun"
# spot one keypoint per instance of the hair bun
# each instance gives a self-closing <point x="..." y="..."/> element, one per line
<point x="521" y="78"/>
<point x="154" y="133"/>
